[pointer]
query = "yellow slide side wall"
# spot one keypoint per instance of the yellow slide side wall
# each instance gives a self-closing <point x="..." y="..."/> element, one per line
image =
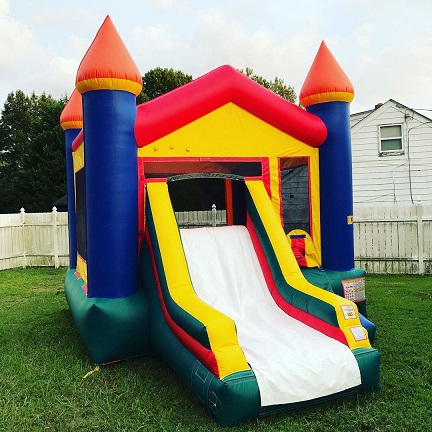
<point x="291" y="270"/>
<point x="221" y="329"/>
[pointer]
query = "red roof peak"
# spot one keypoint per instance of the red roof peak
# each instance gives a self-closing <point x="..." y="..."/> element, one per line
<point x="175" y="109"/>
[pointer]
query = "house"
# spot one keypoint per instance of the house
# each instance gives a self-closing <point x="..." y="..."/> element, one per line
<point x="392" y="155"/>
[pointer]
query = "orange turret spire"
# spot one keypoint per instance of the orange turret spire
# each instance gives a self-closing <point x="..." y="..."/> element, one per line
<point x="326" y="81"/>
<point x="71" y="116"/>
<point x="107" y="64"/>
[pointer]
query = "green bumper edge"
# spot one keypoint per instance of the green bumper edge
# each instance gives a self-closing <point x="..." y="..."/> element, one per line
<point x="368" y="360"/>
<point x="234" y="399"/>
<point x="331" y="280"/>
<point x="112" y="329"/>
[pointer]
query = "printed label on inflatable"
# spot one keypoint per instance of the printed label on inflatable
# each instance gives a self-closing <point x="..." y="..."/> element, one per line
<point x="354" y="289"/>
<point x="358" y="333"/>
<point x="348" y="311"/>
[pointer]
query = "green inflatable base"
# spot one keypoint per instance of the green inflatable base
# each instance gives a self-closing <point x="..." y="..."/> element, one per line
<point x="112" y="329"/>
<point x="331" y="280"/>
<point x="236" y="398"/>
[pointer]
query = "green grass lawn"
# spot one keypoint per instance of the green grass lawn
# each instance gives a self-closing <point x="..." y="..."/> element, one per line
<point x="43" y="362"/>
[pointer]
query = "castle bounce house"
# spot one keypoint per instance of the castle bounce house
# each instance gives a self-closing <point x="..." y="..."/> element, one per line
<point x="263" y="314"/>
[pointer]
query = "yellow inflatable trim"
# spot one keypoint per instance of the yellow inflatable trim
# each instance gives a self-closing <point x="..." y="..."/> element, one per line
<point x="109" y="84"/>
<point x="291" y="270"/>
<point x="221" y="329"/>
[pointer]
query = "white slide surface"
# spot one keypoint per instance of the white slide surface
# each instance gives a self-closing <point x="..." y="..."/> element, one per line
<point x="291" y="361"/>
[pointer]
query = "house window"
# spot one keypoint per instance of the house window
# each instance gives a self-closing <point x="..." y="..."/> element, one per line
<point x="391" y="139"/>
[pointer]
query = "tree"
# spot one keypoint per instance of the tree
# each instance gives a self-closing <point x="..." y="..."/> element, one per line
<point x="159" y="81"/>
<point x="32" y="161"/>
<point x="277" y="86"/>
<point x="14" y="138"/>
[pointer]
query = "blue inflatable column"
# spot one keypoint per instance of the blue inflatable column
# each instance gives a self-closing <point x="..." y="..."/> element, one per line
<point x="335" y="163"/>
<point x="71" y="122"/>
<point x="110" y="155"/>
<point x="327" y="93"/>
<point x="109" y="81"/>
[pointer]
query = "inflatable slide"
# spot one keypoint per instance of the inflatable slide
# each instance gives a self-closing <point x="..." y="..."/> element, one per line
<point x="231" y="312"/>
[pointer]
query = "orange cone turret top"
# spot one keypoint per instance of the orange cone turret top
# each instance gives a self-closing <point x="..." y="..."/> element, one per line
<point x="326" y="81"/>
<point x="71" y="117"/>
<point x="107" y="64"/>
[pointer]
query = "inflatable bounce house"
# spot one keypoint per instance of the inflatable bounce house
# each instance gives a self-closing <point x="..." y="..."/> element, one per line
<point x="262" y="314"/>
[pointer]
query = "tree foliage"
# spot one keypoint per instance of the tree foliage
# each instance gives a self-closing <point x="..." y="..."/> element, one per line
<point x="32" y="161"/>
<point x="159" y="81"/>
<point x="277" y="86"/>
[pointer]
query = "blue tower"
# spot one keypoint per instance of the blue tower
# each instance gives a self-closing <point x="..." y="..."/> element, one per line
<point x="102" y="288"/>
<point x="71" y="121"/>
<point x="327" y="93"/>
<point x="109" y="81"/>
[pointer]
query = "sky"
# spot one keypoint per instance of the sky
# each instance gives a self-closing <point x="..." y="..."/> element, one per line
<point x="384" y="46"/>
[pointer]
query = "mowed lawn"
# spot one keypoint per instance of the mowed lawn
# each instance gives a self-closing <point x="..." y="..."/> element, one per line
<point x="43" y="364"/>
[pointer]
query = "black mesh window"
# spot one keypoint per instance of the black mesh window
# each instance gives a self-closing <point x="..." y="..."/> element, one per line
<point x="294" y="174"/>
<point x="168" y="169"/>
<point x="81" y="213"/>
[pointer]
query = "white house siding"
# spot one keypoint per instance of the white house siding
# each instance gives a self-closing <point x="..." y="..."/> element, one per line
<point x="355" y="118"/>
<point x="397" y="179"/>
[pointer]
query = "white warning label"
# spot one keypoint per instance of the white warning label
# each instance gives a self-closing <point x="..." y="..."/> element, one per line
<point x="348" y="311"/>
<point x="358" y="333"/>
<point x="354" y="289"/>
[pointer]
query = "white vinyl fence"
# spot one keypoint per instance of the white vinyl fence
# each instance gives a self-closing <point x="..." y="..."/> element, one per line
<point x="41" y="239"/>
<point x="34" y="239"/>
<point x="196" y="219"/>
<point x="392" y="239"/>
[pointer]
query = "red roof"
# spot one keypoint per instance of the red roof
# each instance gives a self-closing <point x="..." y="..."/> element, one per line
<point x="167" y="113"/>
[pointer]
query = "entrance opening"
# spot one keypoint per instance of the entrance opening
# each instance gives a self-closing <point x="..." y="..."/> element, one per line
<point x="207" y="201"/>
<point x="197" y="194"/>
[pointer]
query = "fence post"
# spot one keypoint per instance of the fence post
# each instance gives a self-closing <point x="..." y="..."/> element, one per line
<point x="419" y="214"/>
<point x="213" y="215"/>
<point x="55" y="238"/>
<point x="24" y="255"/>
